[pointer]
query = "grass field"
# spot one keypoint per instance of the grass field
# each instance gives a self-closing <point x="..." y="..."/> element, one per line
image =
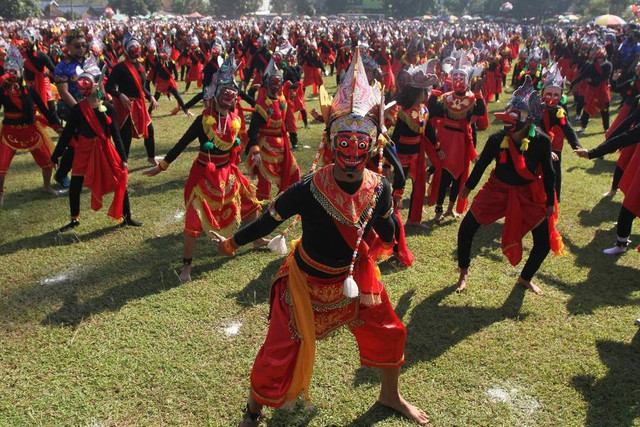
<point x="96" y="329"/>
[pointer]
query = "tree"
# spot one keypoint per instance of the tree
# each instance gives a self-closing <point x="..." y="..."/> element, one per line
<point x="408" y="8"/>
<point x="233" y="9"/>
<point x="135" y="7"/>
<point x="187" y="6"/>
<point x="19" y="9"/>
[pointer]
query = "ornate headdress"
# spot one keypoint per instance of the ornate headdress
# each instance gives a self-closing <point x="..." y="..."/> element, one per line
<point x="128" y="40"/>
<point x="356" y="105"/>
<point x="554" y="78"/>
<point x="222" y="78"/>
<point x="419" y="77"/>
<point x="526" y="98"/>
<point x="14" y="60"/>
<point x="90" y="69"/>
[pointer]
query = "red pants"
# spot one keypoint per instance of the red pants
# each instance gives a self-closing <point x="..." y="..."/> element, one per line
<point x="41" y="155"/>
<point x="378" y="331"/>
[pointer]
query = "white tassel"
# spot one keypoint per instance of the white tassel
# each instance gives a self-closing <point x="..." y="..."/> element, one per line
<point x="350" y="287"/>
<point x="278" y="245"/>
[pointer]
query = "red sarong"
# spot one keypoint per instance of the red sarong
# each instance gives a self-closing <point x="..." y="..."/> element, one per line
<point x="104" y="173"/>
<point x="630" y="183"/>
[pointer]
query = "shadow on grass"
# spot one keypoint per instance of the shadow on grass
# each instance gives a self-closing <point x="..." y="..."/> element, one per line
<point x="487" y="239"/>
<point x="434" y="328"/>
<point x="607" y="284"/>
<point x="376" y="414"/>
<point x="54" y="238"/>
<point x="299" y="416"/>
<point x="606" y="210"/>
<point x="257" y="290"/>
<point x="613" y="399"/>
<point x="13" y="200"/>
<point x="596" y="167"/>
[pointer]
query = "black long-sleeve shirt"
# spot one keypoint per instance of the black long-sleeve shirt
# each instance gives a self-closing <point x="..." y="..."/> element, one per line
<point x="402" y="129"/>
<point x="621" y="140"/>
<point x="121" y="81"/>
<point x="320" y="236"/>
<point x="28" y="99"/>
<point x="594" y="75"/>
<point x="78" y="125"/>
<point x="195" y="131"/>
<point x="538" y="154"/>
<point x="567" y="129"/>
<point x="40" y="62"/>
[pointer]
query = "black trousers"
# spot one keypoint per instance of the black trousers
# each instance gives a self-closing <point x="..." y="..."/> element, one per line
<point x="557" y="167"/>
<point x="74" y="197"/>
<point x="447" y="181"/>
<point x="173" y="91"/>
<point x="625" y="220"/>
<point x="541" y="247"/>
<point x="149" y="142"/>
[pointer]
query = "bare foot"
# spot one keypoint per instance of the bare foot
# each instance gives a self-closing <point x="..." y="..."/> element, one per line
<point x="185" y="274"/>
<point x="152" y="161"/>
<point x="610" y="193"/>
<point x="410" y="411"/>
<point x="529" y="285"/>
<point x="451" y="212"/>
<point x="462" y="280"/>
<point x="423" y="225"/>
<point x="258" y="243"/>
<point x="439" y="217"/>
<point x="51" y="190"/>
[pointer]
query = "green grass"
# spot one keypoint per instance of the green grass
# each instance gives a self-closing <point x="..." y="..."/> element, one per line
<point x="95" y="328"/>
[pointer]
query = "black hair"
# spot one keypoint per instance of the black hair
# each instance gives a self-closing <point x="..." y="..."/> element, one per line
<point x="407" y="97"/>
<point x="74" y="34"/>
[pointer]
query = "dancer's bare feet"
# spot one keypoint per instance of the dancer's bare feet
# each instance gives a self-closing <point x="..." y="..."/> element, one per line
<point x="439" y="217"/>
<point x="410" y="411"/>
<point x="152" y="161"/>
<point x="610" y="193"/>
<point x="423" y="225"/>
<point x="530" y="285"/>
<point x="185" y="274"/>
<point x="258" y="243"/>
<point x="462" y="280"/>
<point x="453" y="213"/>
<point x="49" y="189"/>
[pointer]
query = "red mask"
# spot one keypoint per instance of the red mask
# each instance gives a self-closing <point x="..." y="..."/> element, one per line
<point x="227" y="98"/>
<point x="351" y="150"/>
<point x="459" y="83"/>
<point x="135" y="51"/>
<point x="510" y="117"/>
<point x="85" y="86"/>
<point x="274" y="84"/>
<point x="551" y="96"/>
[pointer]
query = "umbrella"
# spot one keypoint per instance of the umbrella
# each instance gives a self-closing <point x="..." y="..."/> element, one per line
<point x="609" y="21"/>
<point x="453" y="18"/>
<point x="60" y="19"/>
<point x="194" y="15"/>
<point x="466" y="17"/>
<point x="506" y="7"/>
<point x="427" y="17"/>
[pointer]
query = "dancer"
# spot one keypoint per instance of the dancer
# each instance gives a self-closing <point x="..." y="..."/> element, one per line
<point x="126" y="86"/>
<point x="216" y="167"/>
<point x="268" y="150"/>
<point x="329" y="280"/>
<point x="520" y="188"/>
<point x="100" y="161"/>
<point x="20" y="130"/>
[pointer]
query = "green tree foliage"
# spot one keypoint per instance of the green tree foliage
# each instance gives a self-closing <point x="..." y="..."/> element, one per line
<point x="135" y="7"/>
<point x="19" y="9"/>
<point x="408" y="8"/>
<point x="188" y="6"/>
<point x="234" y="8"/>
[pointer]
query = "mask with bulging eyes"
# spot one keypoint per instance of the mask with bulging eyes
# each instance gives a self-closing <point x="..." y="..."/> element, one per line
<point x="134" y="51"/>
<point x="351" y="150"/>
<point x="227" y="98"/>
<point x="512" y="118"/>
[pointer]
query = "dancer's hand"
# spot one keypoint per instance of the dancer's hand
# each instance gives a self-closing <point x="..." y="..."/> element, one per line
<point x="397" y="203"/>
<point x="219" y="240"/>
<point x="554" y="157"/>
<point x="464" y="192"/>
<point x="152" y="171"/>
<point x="441" y="155"/>
<point x="125" y="101"/>
<point x="154" y="103"/>
<point x="582" y="152"/>
<point x="256" y="159"/>
<point x="188" y="113"/>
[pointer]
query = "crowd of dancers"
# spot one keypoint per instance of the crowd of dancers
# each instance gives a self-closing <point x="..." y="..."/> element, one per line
<point x="411" y="103"/>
